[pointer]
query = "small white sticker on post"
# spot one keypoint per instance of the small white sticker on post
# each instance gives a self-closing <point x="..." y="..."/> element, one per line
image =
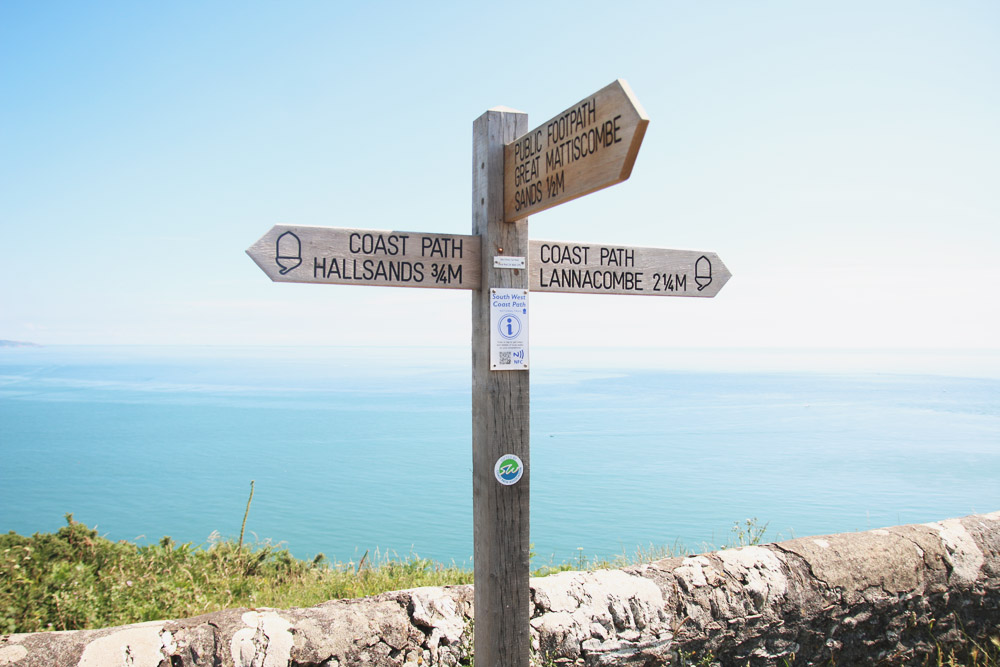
<point x="504" y="262"/>
<point x="508" y="329"/>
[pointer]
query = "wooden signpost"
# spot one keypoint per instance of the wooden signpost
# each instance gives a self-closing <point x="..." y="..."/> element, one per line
<point x="368" y="257"/>
<point x="591" y="268"/>
<point x="591" y="145"/>
<point x="336" y="256"/>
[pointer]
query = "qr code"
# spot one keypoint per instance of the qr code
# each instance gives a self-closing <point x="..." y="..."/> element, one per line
<point x="505" y="359"/>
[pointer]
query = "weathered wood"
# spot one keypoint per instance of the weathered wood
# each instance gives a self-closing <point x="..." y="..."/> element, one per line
<point x="591" y="268"/>
<point x="331" y="255"/>
<point x="499" y="416"/>
<point x="892" y="596"/>
<point x="339" y="256"/>
<point x="589" y="146"/>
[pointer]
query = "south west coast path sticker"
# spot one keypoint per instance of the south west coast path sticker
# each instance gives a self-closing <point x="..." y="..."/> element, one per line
<point x="508" y="469"/>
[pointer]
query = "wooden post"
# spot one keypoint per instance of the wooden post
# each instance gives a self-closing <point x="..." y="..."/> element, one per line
<point x="499" y="415"/>
<point x="589" y="146"/>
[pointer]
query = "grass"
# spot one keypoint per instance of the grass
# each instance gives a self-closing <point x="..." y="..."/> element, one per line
<point x="75" y="579"/>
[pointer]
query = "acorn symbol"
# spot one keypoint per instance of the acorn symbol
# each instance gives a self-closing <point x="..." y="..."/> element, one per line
<point x="288" y="252"/>
<point x="703" y="272"/>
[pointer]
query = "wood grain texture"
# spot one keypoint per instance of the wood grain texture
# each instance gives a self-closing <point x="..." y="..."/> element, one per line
<point x="499" y="417"/>
<point x="594" y="268"/>
<point x="589" y="146"/>
<point x="338" y="256"/>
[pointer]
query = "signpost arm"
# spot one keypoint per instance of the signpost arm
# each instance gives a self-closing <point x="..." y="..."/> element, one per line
<point x="499" y="415"/>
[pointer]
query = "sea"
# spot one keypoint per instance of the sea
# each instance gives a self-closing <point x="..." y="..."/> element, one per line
<point x="368" y="449"/>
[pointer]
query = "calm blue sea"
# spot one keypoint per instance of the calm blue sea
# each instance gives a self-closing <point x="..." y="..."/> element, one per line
<point x="356" y="449"/>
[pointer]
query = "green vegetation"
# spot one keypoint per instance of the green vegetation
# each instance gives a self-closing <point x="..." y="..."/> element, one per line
<point x="75" y="579"/>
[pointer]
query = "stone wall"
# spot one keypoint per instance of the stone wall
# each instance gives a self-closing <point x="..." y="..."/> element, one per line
<point x="889" y="596"/>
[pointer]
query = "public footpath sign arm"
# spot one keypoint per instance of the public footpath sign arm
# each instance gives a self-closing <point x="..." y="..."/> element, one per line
<point x="589" y="146"/>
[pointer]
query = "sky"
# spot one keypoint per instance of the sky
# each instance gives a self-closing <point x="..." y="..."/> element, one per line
<point x="842" y="158"/>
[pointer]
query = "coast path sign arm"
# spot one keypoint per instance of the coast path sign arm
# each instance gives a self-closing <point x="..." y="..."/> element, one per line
<point x="332" y="255"/>
<point x="589" y="146"/>
<point x="340" y="256"/>
<point x="591" y="268"/>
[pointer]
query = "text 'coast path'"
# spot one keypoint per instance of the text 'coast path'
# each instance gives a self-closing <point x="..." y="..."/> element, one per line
<point x="337" y="256"/>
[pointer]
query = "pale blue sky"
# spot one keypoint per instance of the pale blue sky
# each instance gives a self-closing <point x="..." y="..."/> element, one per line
<point x="843" y="158"/>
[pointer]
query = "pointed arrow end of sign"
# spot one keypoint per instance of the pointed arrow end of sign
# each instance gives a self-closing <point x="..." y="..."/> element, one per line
<point x="642" y="122"/>
<point x="720" y="274"/>
<point x="633" y="100"/>
<point x="263" y="253"/>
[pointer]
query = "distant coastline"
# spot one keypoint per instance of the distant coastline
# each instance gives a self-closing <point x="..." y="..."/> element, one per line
<point x="17" y="343"/>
